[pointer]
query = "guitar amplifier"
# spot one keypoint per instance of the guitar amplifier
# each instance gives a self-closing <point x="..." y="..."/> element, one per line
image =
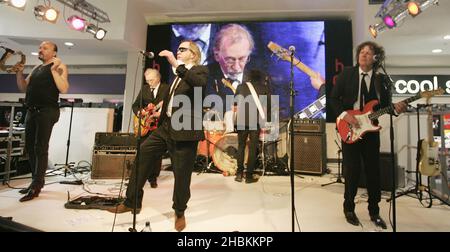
<point x="112" y="163"/>
<point x="109" y="139"/>
<point x="309" y="125"/>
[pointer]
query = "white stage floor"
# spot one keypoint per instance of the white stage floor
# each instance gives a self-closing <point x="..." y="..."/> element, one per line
<point x="218" y="204"/>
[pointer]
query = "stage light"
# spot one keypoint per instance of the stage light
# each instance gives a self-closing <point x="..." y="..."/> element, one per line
<point x="46" y="13"/>
<point x="376" y="29"/>
<point x="389" y="21"/>
<point x="413" y="8"/>
<point x="77" y="23"/>
<point x="98" y="32"/>
<point x="18" y="4"/>
<point x="393" y="12"/>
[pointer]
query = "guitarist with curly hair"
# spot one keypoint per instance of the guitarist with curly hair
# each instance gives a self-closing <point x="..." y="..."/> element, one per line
<point x="356" y="87"/>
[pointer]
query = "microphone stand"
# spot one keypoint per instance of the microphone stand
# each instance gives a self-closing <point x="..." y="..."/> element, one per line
<point x="138" y="148"/>
<point x="339" y="178"/>
<point x="291" y="133"/>
<point x="388" y="85"/>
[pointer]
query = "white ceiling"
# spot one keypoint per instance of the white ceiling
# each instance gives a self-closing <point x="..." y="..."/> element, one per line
<point x="409" y="45"/>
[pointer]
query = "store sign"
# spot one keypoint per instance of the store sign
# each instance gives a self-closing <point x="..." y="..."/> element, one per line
<point x="414" y="84"/>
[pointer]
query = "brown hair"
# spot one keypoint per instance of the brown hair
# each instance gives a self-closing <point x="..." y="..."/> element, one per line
<point x="377" y="50"/>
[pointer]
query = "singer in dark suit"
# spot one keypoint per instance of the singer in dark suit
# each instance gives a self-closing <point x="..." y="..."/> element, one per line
<point x="354" y="88"/>
<point x="153" y="93"/>
<point x="179" y="130"/>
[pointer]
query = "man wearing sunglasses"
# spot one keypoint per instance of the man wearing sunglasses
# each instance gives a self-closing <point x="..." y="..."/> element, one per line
<point x="181" y="142"/>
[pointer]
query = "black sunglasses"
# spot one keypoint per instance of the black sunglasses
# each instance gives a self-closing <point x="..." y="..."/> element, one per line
<point x="182" y="49"/>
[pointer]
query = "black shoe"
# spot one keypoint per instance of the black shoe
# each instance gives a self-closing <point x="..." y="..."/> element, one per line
<point x="24" y="190"/>
<point x="351" y="218"/>
<point x="376" y="219"/>
<point x="153" y="183"/>
<point x="249" y="180"/>
<point x="238" y="177"/>
<point x="32" y="193"/>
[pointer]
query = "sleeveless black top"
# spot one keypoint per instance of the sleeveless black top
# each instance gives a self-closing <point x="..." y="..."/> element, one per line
<point x="42" y="90"/>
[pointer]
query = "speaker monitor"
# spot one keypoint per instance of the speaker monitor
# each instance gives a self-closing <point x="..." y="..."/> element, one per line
<point x="386" y="173"/>
<point x="310" y="153"/>
<point x="110" y="165"/>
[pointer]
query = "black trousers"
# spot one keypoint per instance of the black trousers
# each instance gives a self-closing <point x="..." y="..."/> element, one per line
<point x="252" y="150"/>
<point x="155" y="168"/>
<point x="38" y="129"/>
<point x="365" y="152"/>
<point x="182" y="155"/>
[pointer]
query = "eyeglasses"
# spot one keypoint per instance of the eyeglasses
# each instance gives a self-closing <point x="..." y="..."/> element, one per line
<point x="232" y="61"/>
<point x="182" y="49"/>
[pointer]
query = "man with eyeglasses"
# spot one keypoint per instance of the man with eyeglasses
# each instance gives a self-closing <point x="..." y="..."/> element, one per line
<point x="232" y="47"/>
<point x="180" y="142"/>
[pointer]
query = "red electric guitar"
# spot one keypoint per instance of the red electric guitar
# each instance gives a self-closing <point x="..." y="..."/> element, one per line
<point x="148" y="122"/>
<point x="351" y="135"/>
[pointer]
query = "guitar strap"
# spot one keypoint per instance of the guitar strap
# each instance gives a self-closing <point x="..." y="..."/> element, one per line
<point x="256" y="99"/>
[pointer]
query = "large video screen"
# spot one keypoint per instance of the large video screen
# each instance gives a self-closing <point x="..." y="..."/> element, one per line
<point x="322" y="47"/>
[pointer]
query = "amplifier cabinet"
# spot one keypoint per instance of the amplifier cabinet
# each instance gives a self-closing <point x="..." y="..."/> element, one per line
<point x="309" y="125"/>
<point x="112" y="164"/>
<point x="115" y="139"/>
<point x="310" y="153"/>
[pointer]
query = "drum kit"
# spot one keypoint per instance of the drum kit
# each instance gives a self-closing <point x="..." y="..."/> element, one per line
<point x="11" y="60"/>
<point x="220" y="147"/>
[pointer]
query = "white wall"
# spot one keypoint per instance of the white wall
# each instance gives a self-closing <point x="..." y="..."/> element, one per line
<point x="85" y="123"/>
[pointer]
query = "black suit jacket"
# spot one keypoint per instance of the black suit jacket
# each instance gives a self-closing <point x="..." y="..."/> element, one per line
<point x="163" y="91"/>
<point x="345" y="92"/>
<point x="195" y="77"/>
<point x="247" y="113"/>
<point x="215" y="85"/>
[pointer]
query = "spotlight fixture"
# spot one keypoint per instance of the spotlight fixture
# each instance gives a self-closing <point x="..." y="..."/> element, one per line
<point x="46" y="13"/>
<point x="377" y="29"/>
<point x="18" y="4"/>
<point x="413" y="8"/>
<point x="99" y="33"/>
<point x="393" y="12"/>
<point x="77" y="23"/>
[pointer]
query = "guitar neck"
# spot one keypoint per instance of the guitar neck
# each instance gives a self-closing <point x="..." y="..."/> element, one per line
<point x="430" y="126"/>
<point x="389" y="109"/>
<point x="304" y="68"/>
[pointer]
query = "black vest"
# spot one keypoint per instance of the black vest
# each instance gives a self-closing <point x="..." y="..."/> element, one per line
<point x="42" y="90"/>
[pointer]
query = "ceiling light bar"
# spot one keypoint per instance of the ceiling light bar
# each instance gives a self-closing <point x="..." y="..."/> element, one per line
<point x="87" y="9"/>
<point x="393" y="12"/>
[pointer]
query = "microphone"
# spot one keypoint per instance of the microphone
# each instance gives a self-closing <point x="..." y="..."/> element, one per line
<point x="149" y="55"/>
<point x="292" y="49"/>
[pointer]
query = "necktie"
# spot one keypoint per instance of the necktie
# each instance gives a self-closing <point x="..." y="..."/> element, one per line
<point x="364" y="93"/>
<point x="172" y="91"/>
<point x="152" y="96"/>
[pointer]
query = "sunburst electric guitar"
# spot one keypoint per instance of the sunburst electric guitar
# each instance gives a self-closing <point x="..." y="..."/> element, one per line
<point x="312" y="110"/>
<point x="365" y="118"/>
<point x="148" y="121"/>
<point x="429" y="164"/>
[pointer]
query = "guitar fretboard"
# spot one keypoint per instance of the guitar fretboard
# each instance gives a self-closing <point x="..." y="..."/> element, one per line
<point x="312" y="109"/>
<point x="389" y="109"/>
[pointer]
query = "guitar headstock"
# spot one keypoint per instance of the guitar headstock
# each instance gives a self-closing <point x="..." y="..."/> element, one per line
<point x="430" y="93"/>
<point x="279" y="51"/>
